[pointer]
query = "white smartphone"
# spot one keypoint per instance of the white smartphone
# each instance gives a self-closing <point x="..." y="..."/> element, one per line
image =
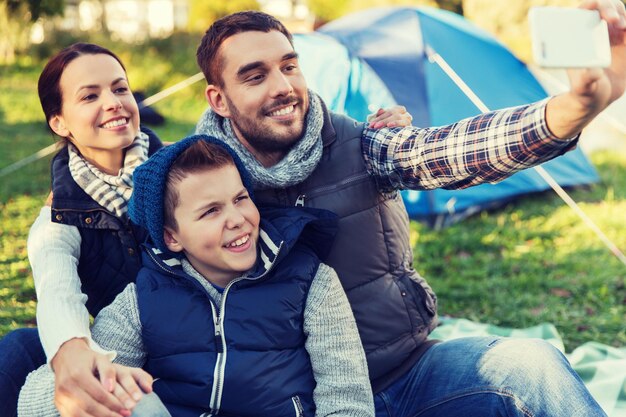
<point x="565" y="37"/>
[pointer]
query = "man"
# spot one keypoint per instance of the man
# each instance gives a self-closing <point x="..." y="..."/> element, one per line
<point x="300" y="154"/>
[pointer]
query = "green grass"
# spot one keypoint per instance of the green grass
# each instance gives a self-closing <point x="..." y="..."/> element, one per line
<point x="535" y="261"/>
<point x="532" y="262"/>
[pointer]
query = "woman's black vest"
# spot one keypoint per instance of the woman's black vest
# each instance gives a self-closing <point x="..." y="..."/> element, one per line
<point x="110" y="256"/>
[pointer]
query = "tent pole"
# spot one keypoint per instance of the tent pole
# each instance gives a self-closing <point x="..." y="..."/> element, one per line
<point x="438" y="59"/>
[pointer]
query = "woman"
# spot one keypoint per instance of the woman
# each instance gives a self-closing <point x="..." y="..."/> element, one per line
<point x="83" y="248"/>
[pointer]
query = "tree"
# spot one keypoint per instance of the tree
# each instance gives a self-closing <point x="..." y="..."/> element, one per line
<point x="16" y="20"/>
<point x="327" y="10"/>
<point x="204" y="12"/>
<point x="455" y="6"/>
<point x="35" y="8"/>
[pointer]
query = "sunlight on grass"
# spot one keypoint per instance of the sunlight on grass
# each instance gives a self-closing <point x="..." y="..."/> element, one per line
<point x="18" y="95"/>
<point x="535" y="261"/>
<point x="17" y="298"/>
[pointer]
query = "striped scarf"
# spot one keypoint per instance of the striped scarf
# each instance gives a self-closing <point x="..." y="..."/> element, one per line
<point x="110" y="191"/>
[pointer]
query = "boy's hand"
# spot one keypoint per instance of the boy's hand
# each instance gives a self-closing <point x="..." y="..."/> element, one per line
<point x="396" y="116"/>
<point x="86" y="383"/>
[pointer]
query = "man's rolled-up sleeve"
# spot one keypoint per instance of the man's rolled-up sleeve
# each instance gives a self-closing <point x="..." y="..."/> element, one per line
<point x="483" y="149"/>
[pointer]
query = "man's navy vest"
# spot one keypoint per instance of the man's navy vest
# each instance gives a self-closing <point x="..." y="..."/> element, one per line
<point x="394" y="307"/>
<point x="265" y="369"/>
<point x="109" y="251"/>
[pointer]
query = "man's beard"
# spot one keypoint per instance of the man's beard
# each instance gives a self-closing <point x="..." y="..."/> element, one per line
<point x="260" y="137"/>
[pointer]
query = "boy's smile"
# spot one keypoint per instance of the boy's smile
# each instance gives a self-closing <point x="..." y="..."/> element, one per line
<point x="239" y="244"/>
<point x="218" y="224"/>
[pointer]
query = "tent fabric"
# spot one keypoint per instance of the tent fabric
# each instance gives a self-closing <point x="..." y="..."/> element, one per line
<point x="601" y="367"/>
<point x="346" y="83"/>
<point x="377" y="58"/>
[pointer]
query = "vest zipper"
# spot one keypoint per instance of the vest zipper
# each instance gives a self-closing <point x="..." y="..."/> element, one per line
<point x="297" y="405"/>
<point x="220" y="344"/>
<point x="333" y="187"/>
<point x="218" y="322"/>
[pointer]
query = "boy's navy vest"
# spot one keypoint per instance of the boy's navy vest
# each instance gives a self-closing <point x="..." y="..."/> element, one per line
<point x="247" y="356"/>
<point x="394" y="308"/>
<point x="109" y="251"/>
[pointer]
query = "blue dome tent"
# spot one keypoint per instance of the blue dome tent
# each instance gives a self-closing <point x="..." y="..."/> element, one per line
<point x="377" y="57"/>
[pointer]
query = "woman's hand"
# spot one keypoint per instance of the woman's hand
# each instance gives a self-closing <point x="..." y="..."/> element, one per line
<point x="88" y="384"/>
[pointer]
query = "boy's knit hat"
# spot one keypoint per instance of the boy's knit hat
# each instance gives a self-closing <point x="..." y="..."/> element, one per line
<point x="145" y="207"/>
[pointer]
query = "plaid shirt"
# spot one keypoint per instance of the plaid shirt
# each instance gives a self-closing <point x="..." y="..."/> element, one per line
<point x="485" y="148"/>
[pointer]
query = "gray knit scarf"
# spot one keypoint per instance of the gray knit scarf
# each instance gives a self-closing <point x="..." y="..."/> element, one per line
<point x="110" y="191"/>
<point x="304" y="155"/>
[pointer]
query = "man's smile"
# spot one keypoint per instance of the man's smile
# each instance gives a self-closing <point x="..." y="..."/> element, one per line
<point x="284" y="111"/>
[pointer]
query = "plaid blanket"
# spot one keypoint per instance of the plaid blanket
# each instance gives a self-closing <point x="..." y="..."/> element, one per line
<point x="601" y="367"/>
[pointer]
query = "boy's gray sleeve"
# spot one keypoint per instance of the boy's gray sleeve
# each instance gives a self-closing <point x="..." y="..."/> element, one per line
<point x="337" y="356"/>
<point x="37" y="394"/>
<point x="116" y="328"/>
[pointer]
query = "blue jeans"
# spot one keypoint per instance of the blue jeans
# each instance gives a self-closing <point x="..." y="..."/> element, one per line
<point x="489" y="376"/>
<point x="20" y="353"/>
<point x="150" y="405"/>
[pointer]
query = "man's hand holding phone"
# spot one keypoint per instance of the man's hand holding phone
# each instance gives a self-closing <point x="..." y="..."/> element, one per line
<point x="606" y="83"/>
<point x="594" y="87"/>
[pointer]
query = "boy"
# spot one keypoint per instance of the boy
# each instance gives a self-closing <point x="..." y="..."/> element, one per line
<point x="231" y="313"/>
